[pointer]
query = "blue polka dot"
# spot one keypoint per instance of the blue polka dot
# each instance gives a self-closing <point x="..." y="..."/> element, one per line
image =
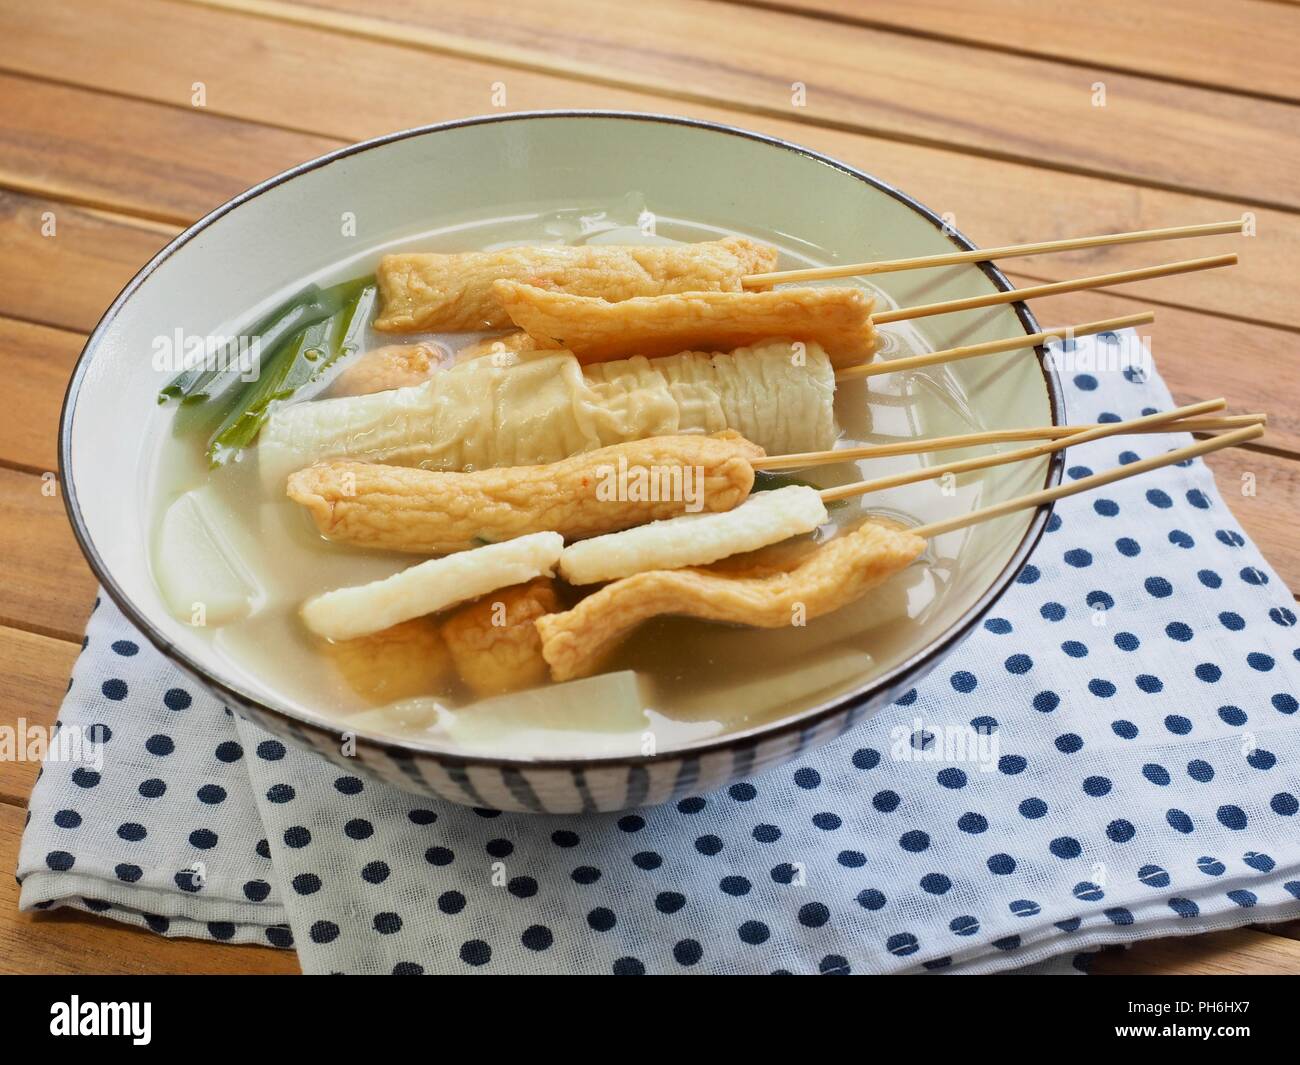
<point x="1157" y="774"/>
<point x="1102" y="689"/>
<point x="1232" y="715"/>
<point x="1179" y="821"/>
<point x="1069" y="743"/>
<point x="972" y="823"/>
<point x="963" y="681"/>
<point x="1052" y="611"/>
<point x="1233" y="817"/>
<point x="1065" y="847"/>
<point x="914" y="841"/>
<point x="1184" y="907"/>
<point x="935" y="883"/>
<point x="1120" y="831"/>
<point x="1033" y="808"/>
<point x="1018" y="664"/>
<point x="1178" y="725"/>
<point x="1125" y="730"/>
<point x="951" y="777"/>
<point x="1001" y="865"/>
<point x="1200" y="770"/>
<point x="1078" y="558"/>
<point x="866" y="758"/>
<point x="1158" y="587"/>
<point x="1000" y="626"/>
<point x="1126" y="641"/>
<point x="1159" y="499"/>
<point x="1128" y="547"/>
<point x="1096" y="786"/>
<point x="1046" y="701"/>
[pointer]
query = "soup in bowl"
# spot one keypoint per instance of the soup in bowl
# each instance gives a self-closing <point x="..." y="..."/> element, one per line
<point x="484" y="458"/>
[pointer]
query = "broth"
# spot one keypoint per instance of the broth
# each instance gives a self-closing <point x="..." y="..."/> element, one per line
<point x="676" y="680"/>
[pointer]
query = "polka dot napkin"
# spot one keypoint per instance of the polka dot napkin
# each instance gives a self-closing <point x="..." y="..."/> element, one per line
<point x="1131" y="705"/>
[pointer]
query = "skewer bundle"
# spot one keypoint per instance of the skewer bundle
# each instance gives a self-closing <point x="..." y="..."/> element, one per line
<point x="658" y="554"/>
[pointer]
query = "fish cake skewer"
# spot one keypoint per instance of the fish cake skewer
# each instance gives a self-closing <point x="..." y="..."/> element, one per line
<point x="429" y="587"/>
<point x="577" y="642"/>
<point x="397" y="508"/>
<point x="595" y="330"/>
<point x="453" y="293"/>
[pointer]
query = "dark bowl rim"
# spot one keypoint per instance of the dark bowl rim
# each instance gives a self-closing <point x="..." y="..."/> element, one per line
<point x="921" y="662"/>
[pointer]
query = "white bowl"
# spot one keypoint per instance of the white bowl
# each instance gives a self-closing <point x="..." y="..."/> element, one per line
<point x="290" y="228"/>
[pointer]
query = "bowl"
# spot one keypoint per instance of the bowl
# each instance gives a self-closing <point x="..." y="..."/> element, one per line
<point x="289" y="227"/>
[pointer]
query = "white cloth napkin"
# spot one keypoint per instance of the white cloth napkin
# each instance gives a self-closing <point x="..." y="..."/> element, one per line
<point x="1136" y="692"/>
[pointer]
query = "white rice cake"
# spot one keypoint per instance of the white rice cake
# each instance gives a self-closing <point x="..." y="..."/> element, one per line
<point x="431" y="586"/>
<point x="695" y="539"/>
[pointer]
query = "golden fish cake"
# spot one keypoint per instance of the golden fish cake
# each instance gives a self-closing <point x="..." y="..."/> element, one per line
<point x="596" y="330"/>
<point x="453" y="293"/>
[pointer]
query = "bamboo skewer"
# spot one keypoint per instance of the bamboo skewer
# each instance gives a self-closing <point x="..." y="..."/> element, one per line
<point x="1015" y="295"/>
<point x="991" y="347"/>
<point x="983" y="255"/>
<point x="1086" y="484"/>
<point x="995" y="436"/>
<point x="928" y="473"/>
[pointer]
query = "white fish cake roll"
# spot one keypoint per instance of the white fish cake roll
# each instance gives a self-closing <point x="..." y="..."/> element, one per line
<point x="695" y="539"/>
<point x="431" y="586"/>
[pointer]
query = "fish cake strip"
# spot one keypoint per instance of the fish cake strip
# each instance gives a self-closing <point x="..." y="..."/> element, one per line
<point x="480" y="414"/>
<point x="392" y="366"/>
<point x="408" y="660"/>
<point x="398" y="508"/>
<point x="494" y="643"/>
<point x="453" y="293"/>
<point x="431" y="586"/>
<point x="595" y="330"/>
<point x="696" y="539"/>
<point x="575" y="643"/>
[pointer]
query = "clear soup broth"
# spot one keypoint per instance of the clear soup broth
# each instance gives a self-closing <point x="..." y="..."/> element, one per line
<point x="675" y="680"/>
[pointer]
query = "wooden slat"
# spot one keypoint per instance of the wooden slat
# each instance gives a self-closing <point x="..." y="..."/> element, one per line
<point x="1244" y="46"/>
<point x="64" y="942"/>
<point x="48" y="587"/>
<point x="113" y="45"/>
<point x="1201" y="355"/>
<point x="38" y="360"/>
<point x="106" y="151"/>
<point x="1269" y="514"/>
<point x="876" y="82"/>
<point x="34" y="674"/>
<point x="1237" y="952"/>
<point x="68" y="277"/>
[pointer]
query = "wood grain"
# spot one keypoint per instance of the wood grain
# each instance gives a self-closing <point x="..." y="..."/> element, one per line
<point x="98" y="150"/>
<point x="1238" y="952"/>
<point x="38" y="360"/>
<point x="34" y="673"/>
<point x="48" y="587"/>
<point x="71" y="942"/>
<point x="64" y="264"/>
<point x="97" y="127"/>
<point x="1248" y="46"/>
<point x="864" y="80"/>
<point x="993" y="202"/>
<point x="1202" y="355"/>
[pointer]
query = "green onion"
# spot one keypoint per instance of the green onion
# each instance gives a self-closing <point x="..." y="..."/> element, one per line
<point x="298" y="360"/>
<point x="195" y="384"/>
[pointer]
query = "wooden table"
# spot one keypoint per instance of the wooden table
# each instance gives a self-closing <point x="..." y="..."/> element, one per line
<point x="121" y="121"/>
